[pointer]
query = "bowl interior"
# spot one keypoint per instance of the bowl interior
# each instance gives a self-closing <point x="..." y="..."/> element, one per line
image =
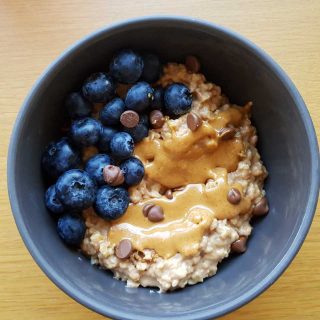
<point x="283" y="144"/>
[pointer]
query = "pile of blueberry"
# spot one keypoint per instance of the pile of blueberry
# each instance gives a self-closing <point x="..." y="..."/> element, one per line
<point x="103" y="180"/>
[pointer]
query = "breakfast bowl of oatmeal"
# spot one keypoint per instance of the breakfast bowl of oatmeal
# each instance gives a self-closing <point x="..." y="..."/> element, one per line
<point x="163" y="168"/>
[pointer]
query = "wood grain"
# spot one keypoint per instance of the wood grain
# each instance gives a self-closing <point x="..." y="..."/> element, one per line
<point x="33" y="33"/>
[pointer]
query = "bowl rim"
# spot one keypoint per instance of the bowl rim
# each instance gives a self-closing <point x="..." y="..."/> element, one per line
<point x="201" y="25"/>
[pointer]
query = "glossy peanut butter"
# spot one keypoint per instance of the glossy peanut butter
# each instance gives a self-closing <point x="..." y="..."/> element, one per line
<point x="186" y="160"/>
<point x="190" y="158"/>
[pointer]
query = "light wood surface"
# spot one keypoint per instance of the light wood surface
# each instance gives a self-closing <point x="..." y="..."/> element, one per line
<point x="33" y="33"/>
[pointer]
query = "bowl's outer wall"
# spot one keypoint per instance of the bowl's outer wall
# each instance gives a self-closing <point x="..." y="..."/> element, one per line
<point x="283" y="143"/>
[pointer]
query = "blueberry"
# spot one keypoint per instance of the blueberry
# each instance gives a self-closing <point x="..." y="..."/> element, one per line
<point x="58" y="157"/>
<point x="177" y="99"/>
<point x="53" y="204"/>
<point x="77" y="105"/>
<point x="138" y="133"/>
<point x="85" y="132"/>
<point x="139" y="97"/>
<point x="111" y="203"/>
<point x="111" y="112"/>
<point x="126" y="66"/>
<point x="71" y="229"/>
<point x="99" y="87"/>
<point x="157" y="102"/>
<point x="121" y="146"/>
<point x="76" y="189"/>
<point x="133" y="171"/>
<point x="95" y="165"/>
<point x="141" y="130"/>
<point x="144" y="119"/>
<point x="106" y="135"/>
<point x="152" y="68"/>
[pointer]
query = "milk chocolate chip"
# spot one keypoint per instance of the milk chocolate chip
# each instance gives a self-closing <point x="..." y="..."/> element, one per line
<point x="155" y="214"/>
<point x="129" y="119"/>
<point x="193" y="121"/>
<point x="113" y="175"/>
<point x="152" y="212"/>
<point x="240" y="245"/>
<point x="169" y="194"/>
<point x="234" y="196"/>
<point x="261" y="208"/>
<point x="156" y="119"/>
<point x="146" y="208"/>
<point x="192" y="64"/>
<point x="226" y="133"/>
<point x="124" y="249"/>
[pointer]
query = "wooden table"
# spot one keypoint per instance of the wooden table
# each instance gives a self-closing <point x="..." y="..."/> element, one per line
<point x="33" y="33"/>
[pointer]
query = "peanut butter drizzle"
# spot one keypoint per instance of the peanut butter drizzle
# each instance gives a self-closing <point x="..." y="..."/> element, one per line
<point x="190" y="158"/>
<point x="187" y="217"/>
<point x="187" y="160"/>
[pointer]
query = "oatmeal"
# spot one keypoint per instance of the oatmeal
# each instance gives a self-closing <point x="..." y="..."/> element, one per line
<point x="202" y="169"/>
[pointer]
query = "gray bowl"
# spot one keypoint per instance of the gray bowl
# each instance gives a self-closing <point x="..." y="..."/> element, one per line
<point x="287" y="143"/>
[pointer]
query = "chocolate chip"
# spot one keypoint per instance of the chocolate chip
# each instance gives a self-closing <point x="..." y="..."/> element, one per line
<point x="193" y="121"/>
<point x="113" y="175"/>
<point x="146" y="208"/>
<point x="155" y="214"/>
<point x="152" y="212"/>
<point x="261" y="208"/>
<point x="234" y="196"/>
<point x="156" y="119"/>
<point x="226" y="133"/>
<point x="169" y="194"/>
<point x="124" y="249"/>
<point x="192" y="64"/>
<point x="240" y="245"/>
<point x="129" y="119"/>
